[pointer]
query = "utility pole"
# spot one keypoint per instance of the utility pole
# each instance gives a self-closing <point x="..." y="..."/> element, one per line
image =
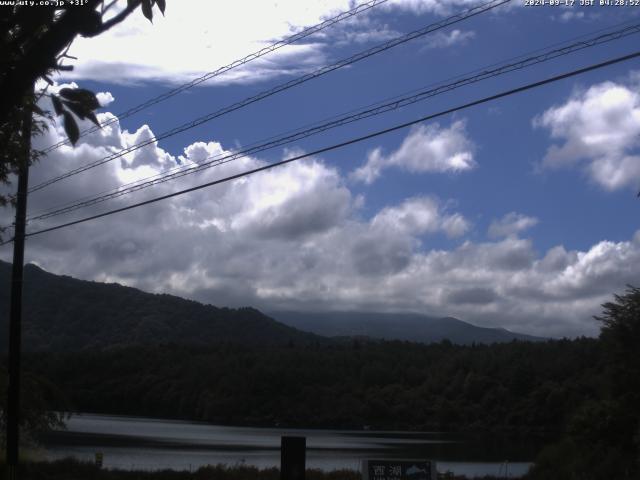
<point x="15" y="319"/>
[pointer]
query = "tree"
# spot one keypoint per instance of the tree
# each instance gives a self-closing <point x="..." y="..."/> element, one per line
<point x="620" y="335"/>
<point x="603" y="435"/>
<point x="34" y="42"/>
<point x="36" y="413"/>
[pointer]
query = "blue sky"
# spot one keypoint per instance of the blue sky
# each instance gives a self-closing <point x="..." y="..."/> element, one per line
<point x="520" y="213"/>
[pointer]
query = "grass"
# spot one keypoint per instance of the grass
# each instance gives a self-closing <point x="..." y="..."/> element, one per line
<point x="71" y="469"/>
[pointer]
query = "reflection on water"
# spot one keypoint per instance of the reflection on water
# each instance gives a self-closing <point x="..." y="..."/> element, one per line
<point x="150" y="444"/>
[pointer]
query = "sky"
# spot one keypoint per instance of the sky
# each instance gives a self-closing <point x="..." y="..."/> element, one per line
<point x="519" y="213"/>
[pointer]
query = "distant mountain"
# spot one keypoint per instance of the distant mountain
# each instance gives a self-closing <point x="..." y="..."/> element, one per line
<point x="62" y="313"/>
<point x="397" y="326"/>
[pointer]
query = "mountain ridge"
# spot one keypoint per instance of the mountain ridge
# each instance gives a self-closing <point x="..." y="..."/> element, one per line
<point x="397" y="326"/>
<point x="62" y="313"/>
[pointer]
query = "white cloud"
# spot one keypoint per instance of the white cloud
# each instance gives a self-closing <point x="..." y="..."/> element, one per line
<point x="448" y="39"/>
<point x="201" y="36"/>
<point x="295" y="237"/>
<point x="600" y="130"/>
<point x="419" y="215"/>
<point x="438" y="7"/>
<point x="290" y="60"/>
<point x="570" y="15"/>
<point x="359" y="29"/>
<point x="104" y="98"/>
<point x="369" y="36"/>
<point x="426" y="149"/>
<point x="149" y="155"/>
<point x="455" y="225"/>
<point x="511" y="224"/>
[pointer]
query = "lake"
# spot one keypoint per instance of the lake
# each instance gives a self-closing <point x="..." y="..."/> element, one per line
<point x="151" y="444"/>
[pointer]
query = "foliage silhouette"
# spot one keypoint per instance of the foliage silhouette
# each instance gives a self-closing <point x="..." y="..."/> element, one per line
<point x="603" y="435"/>
<point x="34" y="43"/>
<point x="390" y="385"/>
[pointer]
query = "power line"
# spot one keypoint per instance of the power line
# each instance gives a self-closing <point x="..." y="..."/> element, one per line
<point x="285" y="86"/>
<point x="396" y="103"/>
<point x="507" y="93"/>
<point x="222" y="70"/>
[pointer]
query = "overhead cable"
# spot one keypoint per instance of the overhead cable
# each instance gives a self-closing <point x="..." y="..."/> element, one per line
<point x="285" y="139"/>
<point x="279" y="88"/>
<point x="222" y="70"/>
<point x="336" y="146"/>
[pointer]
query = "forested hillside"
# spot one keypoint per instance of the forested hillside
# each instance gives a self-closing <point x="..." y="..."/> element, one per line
<point x="62" y="313"/>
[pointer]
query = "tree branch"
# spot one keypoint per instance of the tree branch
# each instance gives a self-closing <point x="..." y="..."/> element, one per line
<point x="118" y="18"/>
<point x="42" y="53"/>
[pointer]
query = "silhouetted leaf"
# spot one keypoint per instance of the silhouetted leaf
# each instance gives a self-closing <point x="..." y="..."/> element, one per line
<point x="78" y="109"/>
<point x="85" y="97"/>
<point x="92" y="116"/>
<point x="146" y="9"/>
<point x="161" y="5"/>
<point x="71" y="127"/>
<point x="90" y="23"/>
<point x="57" y="105"/>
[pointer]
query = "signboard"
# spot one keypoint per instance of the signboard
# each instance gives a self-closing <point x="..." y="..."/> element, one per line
<point x="399" y="470"/>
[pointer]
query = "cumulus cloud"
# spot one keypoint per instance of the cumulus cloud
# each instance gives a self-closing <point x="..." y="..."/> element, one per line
<point x="511" y="224"/>
<point x="449" y="39"/>
<point x="149" y="155"/>
<point x="438" y="7"/>
<point x="426" y="149"/>
<point x="419" y="215"/>
<point x="105" y="98"/>
<point x="599" y="128"/>
<point x="295" y="238"/>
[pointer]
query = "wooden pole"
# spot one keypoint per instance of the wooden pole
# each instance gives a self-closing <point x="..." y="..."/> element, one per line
<point x="15" y="318"/>
<point x="292" y="458"/>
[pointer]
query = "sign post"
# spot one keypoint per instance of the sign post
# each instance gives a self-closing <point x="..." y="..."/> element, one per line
<point x="292" y="458"/>
<point x="399" y="470"/>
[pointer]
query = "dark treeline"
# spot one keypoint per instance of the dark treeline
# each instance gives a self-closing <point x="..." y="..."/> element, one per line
<point x="585" y="391"/>
<point x="519" y="386"/>
<point x="62" y="313"/>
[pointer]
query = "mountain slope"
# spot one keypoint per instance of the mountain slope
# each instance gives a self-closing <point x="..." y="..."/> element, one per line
<point x="61" y="313"/>
<point x="397" y="326"/>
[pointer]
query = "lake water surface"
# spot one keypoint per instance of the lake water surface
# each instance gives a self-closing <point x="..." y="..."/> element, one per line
<point x="151" y="444"/>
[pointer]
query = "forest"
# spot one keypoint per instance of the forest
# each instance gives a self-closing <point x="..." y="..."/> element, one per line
<point x="583" y="393"/>
<point x="519" y="387"/>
